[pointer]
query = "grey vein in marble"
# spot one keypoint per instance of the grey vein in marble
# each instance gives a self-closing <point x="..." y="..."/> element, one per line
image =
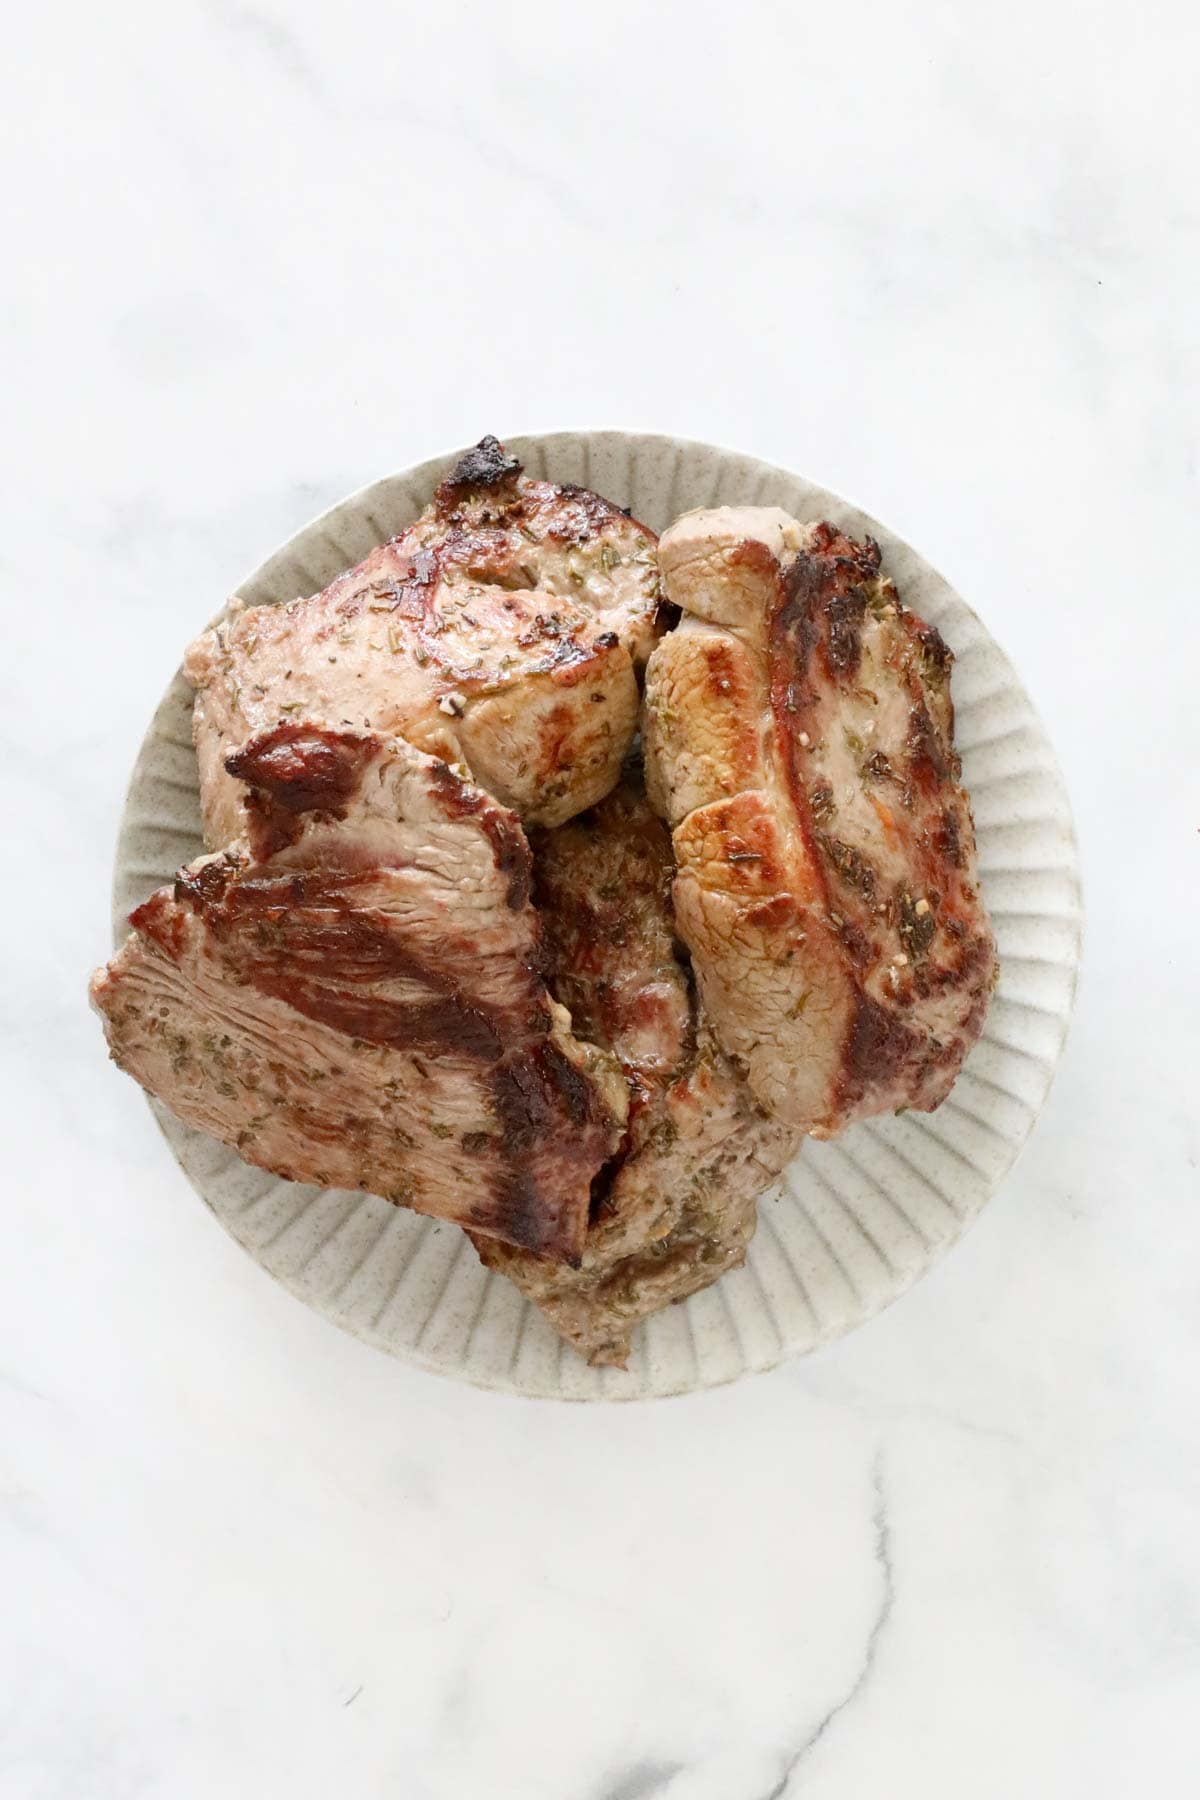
<point x="883" y="1612"/>
<point x="640" y="1780"/>
<point x="276" y="38"/>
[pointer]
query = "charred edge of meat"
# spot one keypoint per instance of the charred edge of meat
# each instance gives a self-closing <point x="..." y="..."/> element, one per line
<point x="518" y="1208"/>
<point x="197" y="886"/>
<point x="936" y="654"/>
<point x="445" y="1025"/>
<point x="300" y="939"/>
<point x="792" y="634"/>
<point x="827" y="581"/>
<point x="510" y="846"/>
<point x="597" y="514"/>
<point x="927" y="757"/>
<point x="529" y="1089"/>
<point x="861" y="560"/>
<point x="529" y="1093"/>
<point x="878" y="1045"/>
<point x="160" y="923"/>
<point x="486" y="465"/>
<point x="980" y="955"/>
<point x="971" y="957"/>
<point x="513" y="857"/>
<point x="948" y="839"/>
<point x="294" y="769"/>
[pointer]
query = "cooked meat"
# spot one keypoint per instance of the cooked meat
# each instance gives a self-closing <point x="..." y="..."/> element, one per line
<point x="603" y="886"/>
<point x="677" y="1208"/>
<point x="360" y="1006"/>
<point x="502" y="630"/>
<point x="799" y="740"/>
<point x="564" y="541"/>
<point x="680" y="1212"/>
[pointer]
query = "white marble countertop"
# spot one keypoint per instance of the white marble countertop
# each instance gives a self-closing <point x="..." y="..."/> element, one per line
<point x="259" y="254"/>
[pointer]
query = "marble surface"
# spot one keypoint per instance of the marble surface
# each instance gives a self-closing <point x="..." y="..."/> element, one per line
<point x="258" y="255"/>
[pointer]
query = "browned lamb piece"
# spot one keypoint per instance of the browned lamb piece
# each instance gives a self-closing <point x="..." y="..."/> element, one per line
<point x="799" y="741"/>
<point x="677" y="1207"/>
<point x="360" y="1005"/>
<point x="503" y="630"/>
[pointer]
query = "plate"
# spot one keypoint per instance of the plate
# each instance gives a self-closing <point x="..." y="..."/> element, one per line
<point x="852" y="1223"/>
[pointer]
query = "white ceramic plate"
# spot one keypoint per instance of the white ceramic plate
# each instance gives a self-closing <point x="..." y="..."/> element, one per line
<point x="853" y="1223"/>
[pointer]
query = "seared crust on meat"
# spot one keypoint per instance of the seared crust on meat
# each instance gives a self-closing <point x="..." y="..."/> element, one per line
<point x="486" y="466"/>
<point x="364" y="1007"/>
<point x="503" y="630"/>
<point x="676" y="1206"/>
<point x="799" y="739"/>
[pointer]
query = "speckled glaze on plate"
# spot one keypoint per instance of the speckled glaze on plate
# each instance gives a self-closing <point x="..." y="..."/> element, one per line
<point x="852" y="1223"/>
